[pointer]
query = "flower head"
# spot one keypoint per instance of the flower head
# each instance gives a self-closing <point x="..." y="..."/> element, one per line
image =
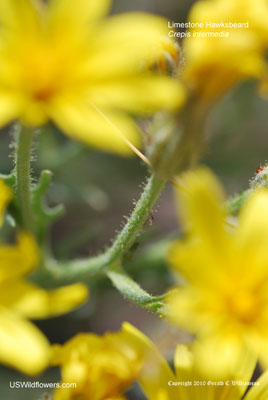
<point x="22" y="345"/>
<point x="62" y="62"/>
<point x="224" y="299"/>
<point x="213" y="64"/>
<point x="104" y="367"/>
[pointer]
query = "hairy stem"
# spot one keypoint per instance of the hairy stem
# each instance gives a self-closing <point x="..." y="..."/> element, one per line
<point x="143" y="207"/>
<point x="134" y="293"/>
<point x="23" y="177"/>
<point x="80" y="269"/>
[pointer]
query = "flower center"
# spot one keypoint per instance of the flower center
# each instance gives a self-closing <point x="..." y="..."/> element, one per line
<point x="45" y="71"/>
<point x="243" y="305"/>
<point x="44" y="94"/>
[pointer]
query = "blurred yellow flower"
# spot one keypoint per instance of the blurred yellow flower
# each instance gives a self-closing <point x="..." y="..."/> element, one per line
<point x="224" y="299"/>
<point x="104" y="367"/>
<point x="189" y="381"/>
<point x="22" y="345"/>
<point x="213" y="64"/>
<point x="62" y="62"/>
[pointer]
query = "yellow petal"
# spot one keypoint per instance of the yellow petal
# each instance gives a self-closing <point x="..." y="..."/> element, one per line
<point x="22" y="345"/>
<point x="202" y="197"/>
<point x="34" y="302"/>
<point x="204" y="254"/>
<point x="228" y="351"/>
<point x="123" y="43"/>
<point x="201" y="203"/>
<point x="139" y="94"/>
<point x="18" y="260"/>
<point x="20" y="15"/>
<point x="156" y="372"/>
<point x="259" y="391"/>
<point x="10" y="107"/>
<point x="252" y="231"/>
<point x="192" y="261"/>
<point x="5" y="197"/>
<point x="98" y="128"/>
<point x="183" y="360"/>
<point x="63" y="12"/>
<point x="244" y="369"/>
<point x="189" y="367"/>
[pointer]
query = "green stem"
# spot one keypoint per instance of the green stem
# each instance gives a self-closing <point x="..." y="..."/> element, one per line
<point x="85" y="268"/>
<point x="23" y="177"/>
<point x="143" y="207"/>
<point x="134" y="293"/>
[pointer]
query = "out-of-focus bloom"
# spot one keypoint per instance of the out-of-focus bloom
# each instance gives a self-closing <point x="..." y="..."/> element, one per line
<point x="104" y="367"/>
<point x="224" y="299"/>
<point x="215" y="64"/>
<point x="62" y="62"/>
<point x="189" y="381"/>
<point x="22" y="345"/>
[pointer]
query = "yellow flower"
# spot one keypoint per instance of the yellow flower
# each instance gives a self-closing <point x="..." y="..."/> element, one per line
<point x="22" y="345"/>
<point x="224" y="299"/>
<point x="62" y="62"/>
<point x="193" y="384"/>
<point x="104" y="367"/>
<point x="215" y="64"/>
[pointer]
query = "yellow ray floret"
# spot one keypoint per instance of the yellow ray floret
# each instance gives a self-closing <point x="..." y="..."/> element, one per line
<point x="61" y="60"/>
<point x="190" y="382"/>
<point x="224" y="300"/>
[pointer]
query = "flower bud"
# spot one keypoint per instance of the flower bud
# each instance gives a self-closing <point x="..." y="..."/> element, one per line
<point x="177" y="142"/>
